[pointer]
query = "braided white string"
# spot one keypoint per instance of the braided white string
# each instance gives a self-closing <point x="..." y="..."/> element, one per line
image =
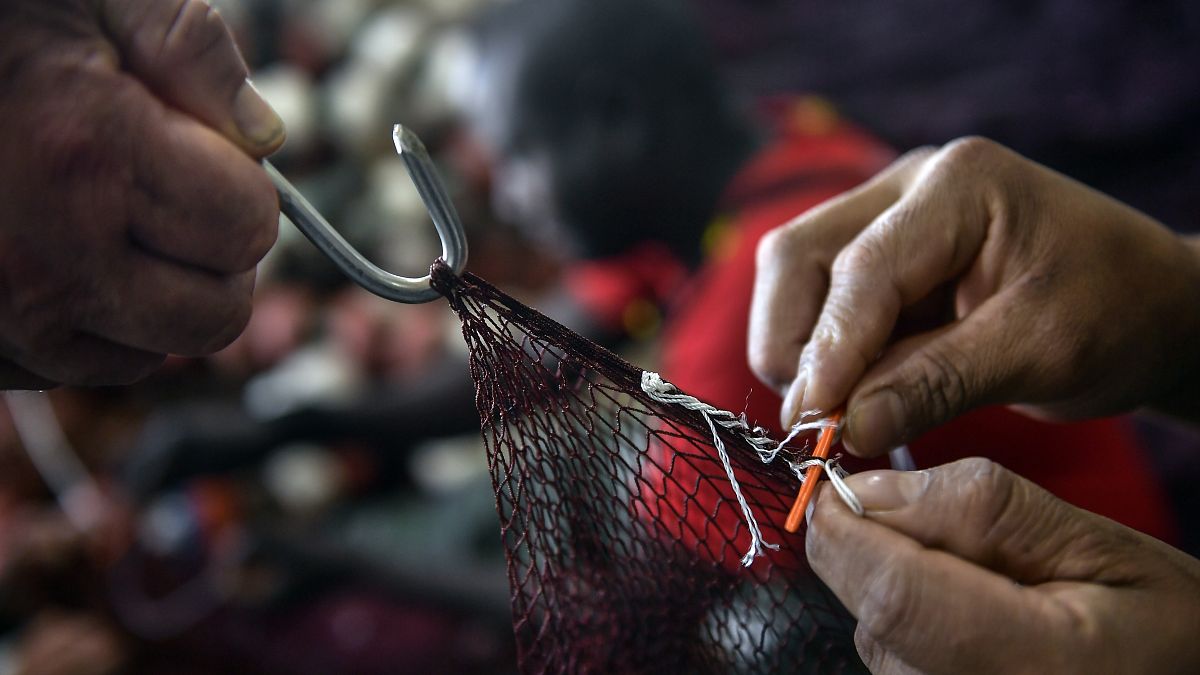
<point x="800" y="427"/>
<point x="664" y="392"/>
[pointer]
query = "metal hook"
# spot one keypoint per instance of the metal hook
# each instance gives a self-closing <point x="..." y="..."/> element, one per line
<point x="361" y="271"/>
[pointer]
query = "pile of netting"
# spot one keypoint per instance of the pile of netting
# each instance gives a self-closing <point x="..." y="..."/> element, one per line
<point x="624" y="535"/>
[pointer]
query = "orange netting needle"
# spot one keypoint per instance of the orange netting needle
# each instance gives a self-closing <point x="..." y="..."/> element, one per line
<point x="824" y="443"/>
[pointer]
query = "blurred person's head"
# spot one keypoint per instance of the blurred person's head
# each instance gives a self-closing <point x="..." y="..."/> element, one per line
<point x="607" y="122"/>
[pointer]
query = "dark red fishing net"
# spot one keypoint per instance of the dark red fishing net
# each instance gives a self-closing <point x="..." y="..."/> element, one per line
<point x="621" y="531"/>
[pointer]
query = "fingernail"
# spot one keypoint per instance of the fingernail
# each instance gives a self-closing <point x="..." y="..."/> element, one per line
<point x="256" y="120"/>
<point x="875" y="424"/>
<point x="888" y="490"/>
<point x="794" y="401"/>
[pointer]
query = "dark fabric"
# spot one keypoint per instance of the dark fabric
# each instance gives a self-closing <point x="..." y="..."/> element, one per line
<point x="1106" y="92"/>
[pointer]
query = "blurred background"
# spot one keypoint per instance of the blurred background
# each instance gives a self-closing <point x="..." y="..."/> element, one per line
<point x="315" y="498"/>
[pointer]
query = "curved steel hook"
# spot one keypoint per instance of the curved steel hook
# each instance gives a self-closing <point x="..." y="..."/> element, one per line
<point x="361" y="271"/>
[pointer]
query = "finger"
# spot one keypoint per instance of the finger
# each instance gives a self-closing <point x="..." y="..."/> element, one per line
<point x="928" y="237"/>
<point x="185" y="53"/>
<point x="877" y="659"/>
<point x="935" y="612"/>
<point x="788" y="287"/>
<point x="792" y="269"/>
<point x="198" y="199"/>
<point x="165" y="308"/>
<point x="930" y="378"/>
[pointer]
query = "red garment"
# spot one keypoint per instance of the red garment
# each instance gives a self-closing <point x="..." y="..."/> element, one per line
<point x="1096" y="465"/>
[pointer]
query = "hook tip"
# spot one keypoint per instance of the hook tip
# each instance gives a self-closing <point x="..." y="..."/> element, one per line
<point x="406" y="141"/>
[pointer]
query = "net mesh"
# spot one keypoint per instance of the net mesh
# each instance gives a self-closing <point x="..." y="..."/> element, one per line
<point x="622" y="535"/>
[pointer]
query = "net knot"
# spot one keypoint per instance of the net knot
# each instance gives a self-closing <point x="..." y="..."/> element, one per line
<point x="837" y="478"/>
<point x="652" y="383"/>
<point x="442" y="278"/>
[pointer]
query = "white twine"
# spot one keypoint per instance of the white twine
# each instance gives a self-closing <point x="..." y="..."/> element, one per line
<point x="802" y="426"/>
<point x="664" y="392"/>
<point x="837" y="478"/>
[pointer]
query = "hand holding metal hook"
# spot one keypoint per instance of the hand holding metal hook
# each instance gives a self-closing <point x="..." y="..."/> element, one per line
<point x="353" y="264"/>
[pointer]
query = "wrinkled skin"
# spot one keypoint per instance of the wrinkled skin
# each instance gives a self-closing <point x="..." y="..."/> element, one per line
<point x="968" y="568"/>
<point x="1025" y="288"/>
<point x="1031" y="289"/>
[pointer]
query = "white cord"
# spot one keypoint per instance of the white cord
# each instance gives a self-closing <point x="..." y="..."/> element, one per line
<point x="837" y="478"/>
<point x="664" y="392"/>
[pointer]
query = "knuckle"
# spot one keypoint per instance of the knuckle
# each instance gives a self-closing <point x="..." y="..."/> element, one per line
<point x="825" y="334"/>
<point x="831" y="331"/>
<point x="868" y="649"/>
<point x="987" y="493"/>
<point x="970" y="150"/>
<point x="892" y="223"/>
<point x="259" y="227"/>
<point x="980" y="476"/>
<point x="234" y="317"/>
<point x="255" y="245"/>
<point x="831" y="337"/>
<point x="190" y="33"/>
<point x="150" y="34"/>
<point x="223" y="336"/>
<point x="864" y="253"/>
<point x="188" y="36"/>
<point x="888" y="602"/>
<point x="905" y="164"/>
<point x="1073" y="352"/>
<point x="936" y="388"/>
<point x="212" y="323"/>
<point x="803" y="239"/>
<point x="876" y="658"/>
<point x="918" y="154"/>
<point x="1080" y="625"/>
<point x="774" y="247"/>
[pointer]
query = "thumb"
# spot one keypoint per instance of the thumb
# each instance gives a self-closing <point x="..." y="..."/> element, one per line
<point x="929" y="573"/>
<point x="980" y="512"/>
<point x="183" y="51"/>
<point x="931" y="378"/>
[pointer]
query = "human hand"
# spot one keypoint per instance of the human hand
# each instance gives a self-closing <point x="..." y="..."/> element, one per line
<point x="968" y="568"/>
<point x="1028" y="287"/>
<point x="71" y="643"/>
<point x="133" y="208"/>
